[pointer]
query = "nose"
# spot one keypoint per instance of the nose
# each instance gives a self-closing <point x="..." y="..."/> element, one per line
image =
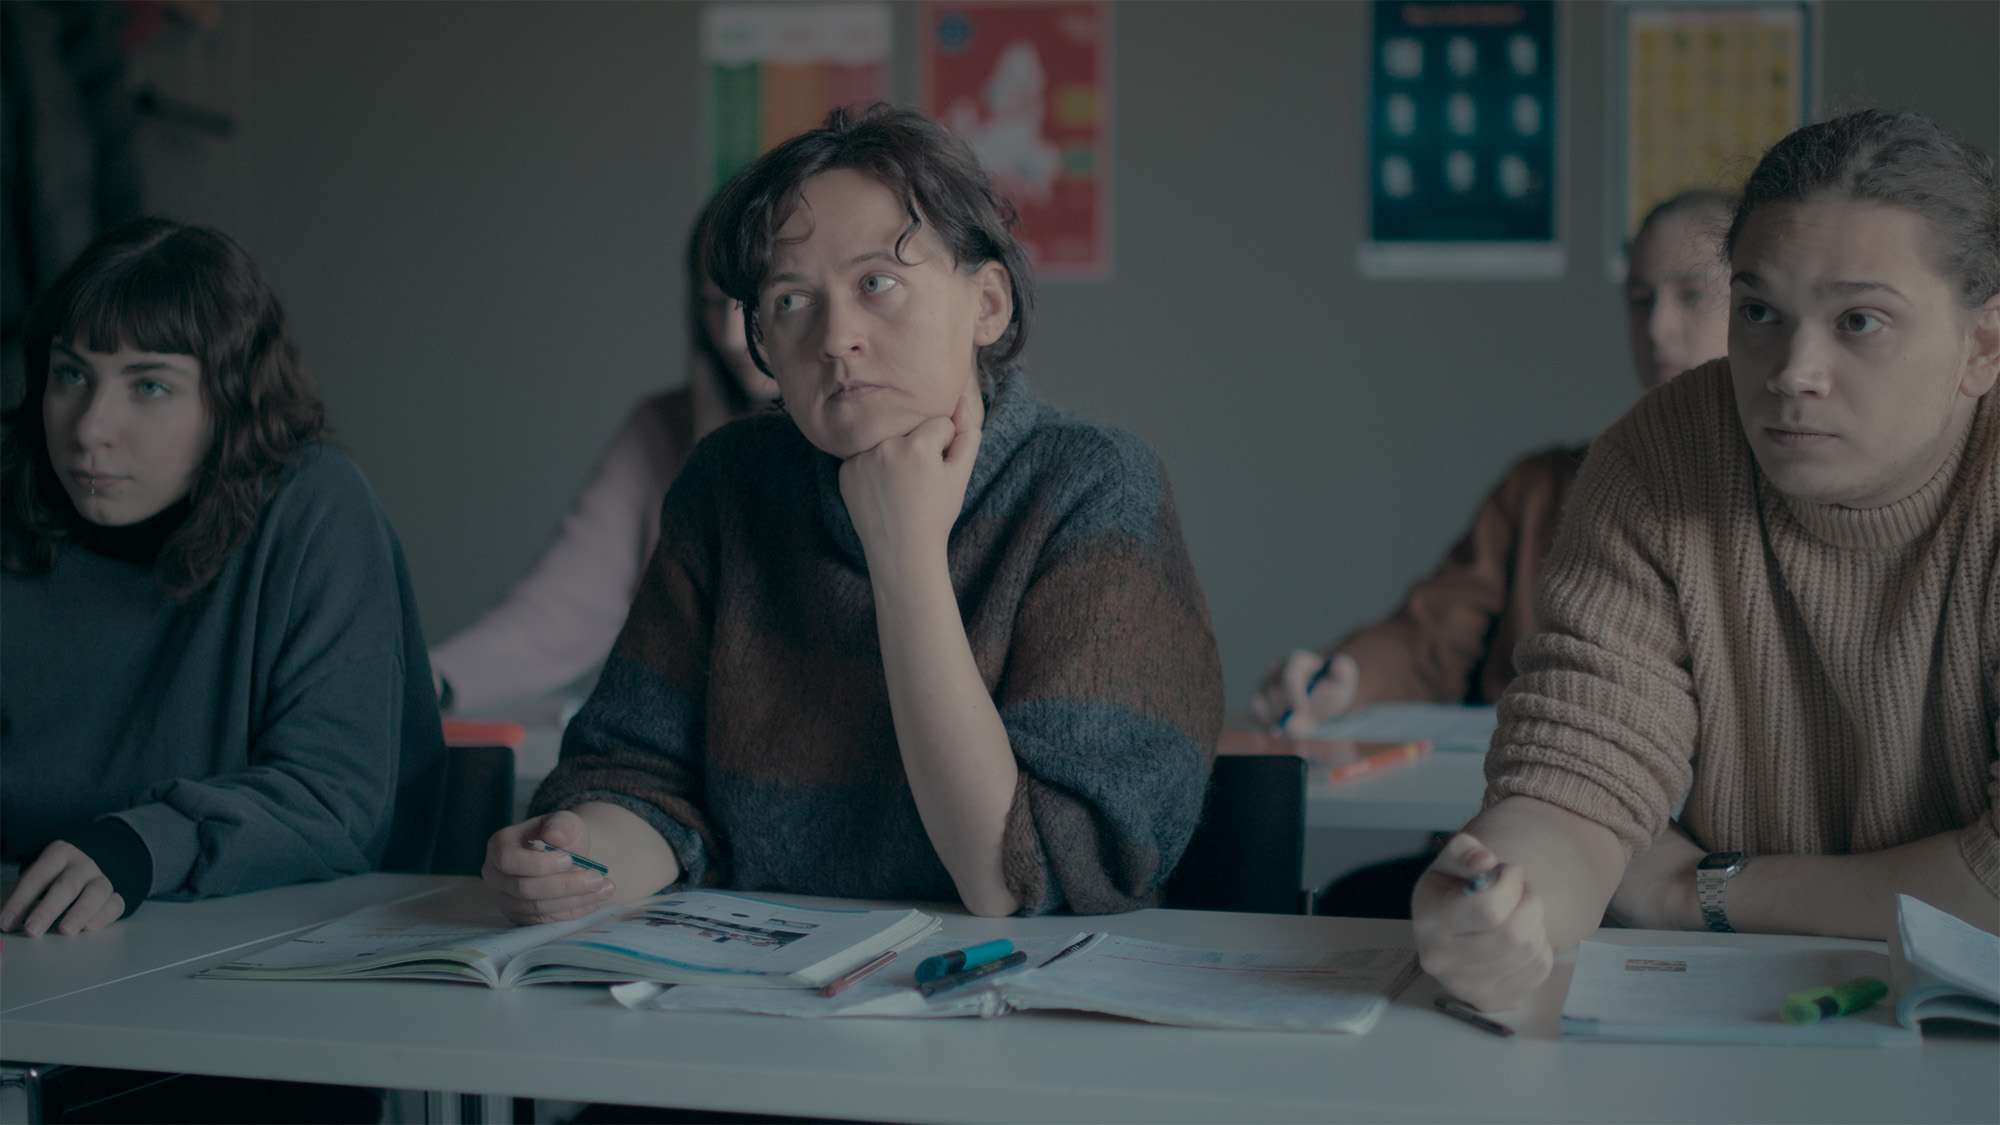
<point x="1663" y="323"/>
<point x="1802" y="365"/>
<point x="102" y="421"/>
<point x="842" y="328"/>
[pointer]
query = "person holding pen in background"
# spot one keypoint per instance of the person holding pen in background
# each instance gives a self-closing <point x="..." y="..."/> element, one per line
<point x="557" y="623"/>
<point x="921" y="635"/>
<point x="1452" y="640"/>
<point x="212" y="677"/>
<point x="1776" y="595"/>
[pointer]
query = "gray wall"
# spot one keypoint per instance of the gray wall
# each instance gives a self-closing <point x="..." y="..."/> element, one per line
<point x="475" y="212"/>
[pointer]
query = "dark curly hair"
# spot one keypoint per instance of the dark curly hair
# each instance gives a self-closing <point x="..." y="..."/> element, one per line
<point x="160" y="286"/>
<point x="1899" y="158"/>
<point x="928" y="167"/>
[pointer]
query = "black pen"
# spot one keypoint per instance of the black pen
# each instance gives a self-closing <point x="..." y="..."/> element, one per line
<point x="946" y="983"/>
<point x="1461" y="1010"/>
<point x="1073" y="947"/>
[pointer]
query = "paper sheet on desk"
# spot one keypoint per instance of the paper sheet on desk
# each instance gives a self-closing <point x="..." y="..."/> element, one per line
<point x="1343" y="990"/>
<point x="1266" y="990"/>
<point x="1443" y="725"/>
<point x="1718" y="994"/>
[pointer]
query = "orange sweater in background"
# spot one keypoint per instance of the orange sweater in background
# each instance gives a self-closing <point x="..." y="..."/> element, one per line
<point x="1814" y="679"/>
<point x="1453" y="639"/>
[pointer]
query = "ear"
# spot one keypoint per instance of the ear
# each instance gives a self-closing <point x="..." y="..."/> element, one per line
<point x="1982" y="361"/>
<point x="993" y="287"/>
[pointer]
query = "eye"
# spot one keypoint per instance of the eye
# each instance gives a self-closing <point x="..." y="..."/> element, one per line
<point x="153" y="388"/>
<point x="66" y="375"/>
<point x="878" y="283"/>
<point x="1757" y="312"/>
<point x="1859" y="323"/>
<point x="790" y="302"/>
<point x="1694" y="298"/>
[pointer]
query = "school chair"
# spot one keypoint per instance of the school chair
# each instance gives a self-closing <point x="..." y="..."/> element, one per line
<point x="1248" y="852"/>
<point x="478" y="792"/>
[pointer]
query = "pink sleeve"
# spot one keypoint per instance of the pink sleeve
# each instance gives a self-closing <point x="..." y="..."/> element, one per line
<point x="558" y="622"/>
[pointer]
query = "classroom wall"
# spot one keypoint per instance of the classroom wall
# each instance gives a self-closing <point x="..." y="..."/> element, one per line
<point x="475" y="215"/>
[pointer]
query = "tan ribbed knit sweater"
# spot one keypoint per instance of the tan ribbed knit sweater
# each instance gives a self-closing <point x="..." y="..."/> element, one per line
<point x="1814" y="679"/>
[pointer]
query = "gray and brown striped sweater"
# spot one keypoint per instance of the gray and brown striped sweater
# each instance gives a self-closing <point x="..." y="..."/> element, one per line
<point x="1815" y="679"/>
<point x="744" y="714"/>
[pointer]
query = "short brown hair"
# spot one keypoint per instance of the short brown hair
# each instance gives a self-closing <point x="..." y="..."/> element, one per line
<point x="1899" y="158"/>
<point x="929" y="168"/>
<point x="163" y="287"/>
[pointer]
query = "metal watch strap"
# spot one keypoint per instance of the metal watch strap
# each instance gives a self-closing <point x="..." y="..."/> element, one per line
<point x="1710" y="883"/>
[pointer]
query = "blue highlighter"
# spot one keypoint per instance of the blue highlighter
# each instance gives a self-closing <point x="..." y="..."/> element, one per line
<point x="959" y="960"/>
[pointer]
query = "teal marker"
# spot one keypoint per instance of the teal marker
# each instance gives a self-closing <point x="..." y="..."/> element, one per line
<point x="959" y="960"/>
<point x="1815" y="1004"/>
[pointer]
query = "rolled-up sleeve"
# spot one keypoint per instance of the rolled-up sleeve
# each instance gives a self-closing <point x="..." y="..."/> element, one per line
<point x="1112" y="700"/>
<point x="1601" y="719"/>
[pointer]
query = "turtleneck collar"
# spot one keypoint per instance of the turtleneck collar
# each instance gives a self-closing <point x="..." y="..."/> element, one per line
<point x="1010" y="418"/>
<point x="1912" y="517"/>
<point x="133" y="543"/>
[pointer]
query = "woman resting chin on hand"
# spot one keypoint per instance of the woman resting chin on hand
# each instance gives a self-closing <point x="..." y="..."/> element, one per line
<point x="922" y="635"/>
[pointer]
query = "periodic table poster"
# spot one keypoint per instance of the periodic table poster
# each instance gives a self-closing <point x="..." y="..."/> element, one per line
<point x="1464" y="127"/>
<point x="1704" y="90"/>
<point x="1028" y="84"/>
<point x="774" y="70"/>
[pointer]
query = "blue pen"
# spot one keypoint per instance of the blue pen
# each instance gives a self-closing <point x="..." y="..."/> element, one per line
<point x="1325" y="666"/>
<point x="959" y="960"/>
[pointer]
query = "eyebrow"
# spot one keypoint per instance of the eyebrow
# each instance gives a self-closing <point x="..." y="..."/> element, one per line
<point x="1834" y="288"/>
<point x="141" y="367"/>
<point x="858" y="259"/>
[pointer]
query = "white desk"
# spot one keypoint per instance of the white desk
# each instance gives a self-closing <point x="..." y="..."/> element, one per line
<point x="576" y="1044"/>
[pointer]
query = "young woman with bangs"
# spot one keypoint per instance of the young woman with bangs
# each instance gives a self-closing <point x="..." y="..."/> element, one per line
<point x="212" y="677"/>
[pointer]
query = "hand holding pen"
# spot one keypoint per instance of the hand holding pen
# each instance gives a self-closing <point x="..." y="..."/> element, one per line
<point x="1306" y="690"/>
<point x="541" y="870"/>
<point x="1480" y="927"/>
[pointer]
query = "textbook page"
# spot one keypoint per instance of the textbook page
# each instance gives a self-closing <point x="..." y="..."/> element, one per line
<point x="1443" y="725"/>
<point x="713" y="936"/>
<point x="431" y="938"/>
<point x="888" y="991"/>
<point x="1943" y="966"/>
<point x="1267" y="990"/>
<point x="1719" y="994"/>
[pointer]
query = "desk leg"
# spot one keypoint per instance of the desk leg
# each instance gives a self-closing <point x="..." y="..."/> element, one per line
<point x="20" y="1094"/>
<point x="442" y="1108"/>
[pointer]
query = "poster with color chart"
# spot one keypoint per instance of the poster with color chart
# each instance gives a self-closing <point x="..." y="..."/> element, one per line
<point x="1703" y="91"/>
<point x="774" y="70"/>
<point x="1029" y="85"/>
<point x="1464" y="126"/>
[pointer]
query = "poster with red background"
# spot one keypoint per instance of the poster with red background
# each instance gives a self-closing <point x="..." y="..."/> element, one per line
<point x="1028" y="84"/>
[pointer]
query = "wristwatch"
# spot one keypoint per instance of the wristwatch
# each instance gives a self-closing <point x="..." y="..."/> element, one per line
<point x="1710" y="877"/>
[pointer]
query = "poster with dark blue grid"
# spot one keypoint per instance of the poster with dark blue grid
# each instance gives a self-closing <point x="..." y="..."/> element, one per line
<point x="1463" y="139"/>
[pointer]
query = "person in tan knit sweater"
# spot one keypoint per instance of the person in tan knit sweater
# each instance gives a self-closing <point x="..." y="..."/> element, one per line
<point x="1453" y="638"/>
<point x="1776" y="594"/>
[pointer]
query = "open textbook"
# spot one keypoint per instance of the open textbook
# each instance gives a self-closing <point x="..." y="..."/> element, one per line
<point x="687" y="936"/>
<point x="1266" y="990"/>
<point x="1937" y="967"/>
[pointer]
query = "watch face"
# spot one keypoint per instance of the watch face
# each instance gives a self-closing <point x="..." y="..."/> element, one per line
<point x="1720" y="861"/>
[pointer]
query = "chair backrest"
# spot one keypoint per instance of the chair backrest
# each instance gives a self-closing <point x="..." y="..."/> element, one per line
<point x="478" y="801"/>
<point x="1248" y="853"/>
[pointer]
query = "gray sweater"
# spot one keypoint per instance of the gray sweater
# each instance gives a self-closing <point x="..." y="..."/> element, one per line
<point x="278" y="728"/>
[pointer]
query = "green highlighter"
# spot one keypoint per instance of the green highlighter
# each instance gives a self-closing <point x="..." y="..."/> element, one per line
<point x="1815" y="1004"/>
